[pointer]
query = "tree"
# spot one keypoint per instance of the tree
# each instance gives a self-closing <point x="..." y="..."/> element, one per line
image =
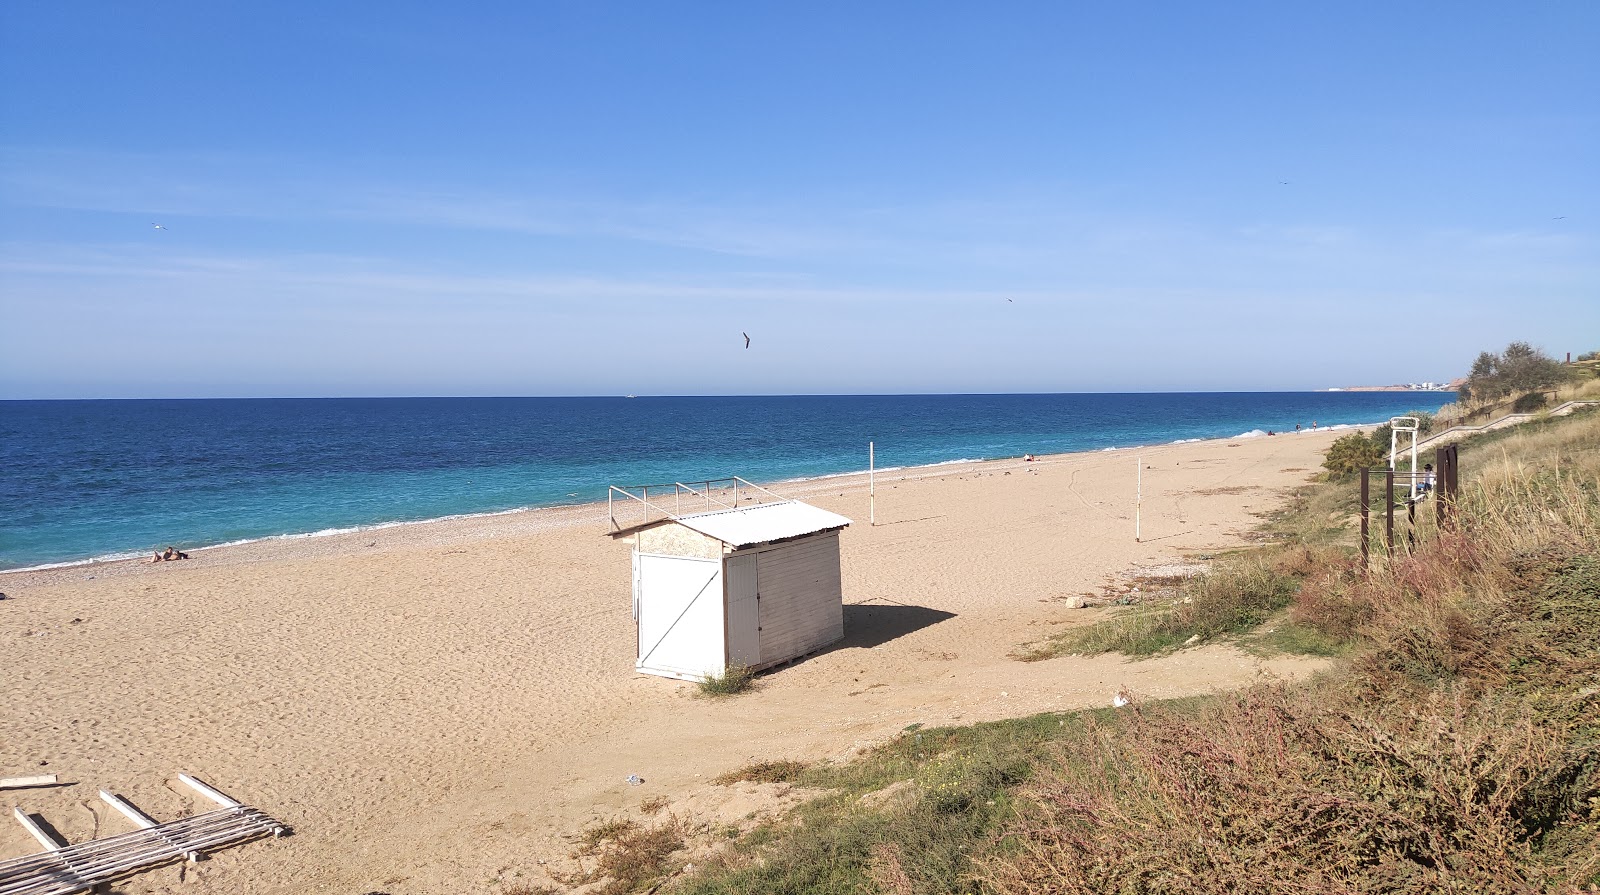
<point x="1518" y="370"/>
<point x="1351" y="452"/>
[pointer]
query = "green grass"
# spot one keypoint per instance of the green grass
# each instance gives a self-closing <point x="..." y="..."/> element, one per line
<point x="959" y="784"/>
<point x="1284" y="637"/>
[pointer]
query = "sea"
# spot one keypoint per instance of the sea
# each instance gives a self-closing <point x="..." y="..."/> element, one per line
<point x="84" y="481"/>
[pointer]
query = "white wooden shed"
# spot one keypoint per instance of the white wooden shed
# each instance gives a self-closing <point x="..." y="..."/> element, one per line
<point x="742" y="585"/>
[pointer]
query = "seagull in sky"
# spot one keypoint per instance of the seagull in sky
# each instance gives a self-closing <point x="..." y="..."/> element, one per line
<point x="746" y="340"/>
<point x="157" y="226"/>
<point x="1561" y="218"/>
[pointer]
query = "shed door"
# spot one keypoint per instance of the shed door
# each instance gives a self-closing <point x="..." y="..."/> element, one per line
<point x="679" y="605"/>
<point x="744" y="612"/>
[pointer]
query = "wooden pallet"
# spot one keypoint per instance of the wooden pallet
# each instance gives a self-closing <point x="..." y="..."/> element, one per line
<point x="64" y="869"/>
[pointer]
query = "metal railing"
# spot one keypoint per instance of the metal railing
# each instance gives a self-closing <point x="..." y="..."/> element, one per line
<point x="704" y="496"/>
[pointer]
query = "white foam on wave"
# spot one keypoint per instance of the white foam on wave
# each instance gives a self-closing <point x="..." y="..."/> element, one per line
<point x="106" y="557"/>
<point x="323" y="533"/>
<point x="1186" y="441"/>
<point x="834" y="475"/>
<point x="1253" y="433"/>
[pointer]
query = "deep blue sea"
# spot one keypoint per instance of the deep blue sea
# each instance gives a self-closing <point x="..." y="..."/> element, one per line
<point x="99" y="479"/>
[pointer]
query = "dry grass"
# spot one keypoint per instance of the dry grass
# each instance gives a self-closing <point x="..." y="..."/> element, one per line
<point x="764" y="772"/>
<point x="1458" y="752"/>
<point x="1236" y="595"/>
<point x="653" y="806"/>
<point x="735" y="680"/>
<point x="623" y="857"/>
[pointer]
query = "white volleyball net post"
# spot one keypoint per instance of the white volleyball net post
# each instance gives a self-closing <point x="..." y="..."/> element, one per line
<point x="1138" y="495"/>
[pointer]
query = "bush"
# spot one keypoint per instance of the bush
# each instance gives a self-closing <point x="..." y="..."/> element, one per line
<point x="1520" y="368"/>
<point x="781" y="771"/>
<point x="627" y="857"/>
<point x="1352" y="452"/>
<point x="1530" y="403"/>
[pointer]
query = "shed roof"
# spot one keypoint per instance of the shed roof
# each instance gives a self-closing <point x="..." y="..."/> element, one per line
<point x="744" y="526"/>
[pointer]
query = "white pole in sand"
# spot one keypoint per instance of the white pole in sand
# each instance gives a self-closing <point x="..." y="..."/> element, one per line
<point x="1138" y="494"/>
<point x="872" y="486"/>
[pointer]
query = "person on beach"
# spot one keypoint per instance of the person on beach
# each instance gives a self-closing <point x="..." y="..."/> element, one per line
<point x="172" y="554"/>
<point x="1297" y="428"/>
<point x="1027" y="458"/>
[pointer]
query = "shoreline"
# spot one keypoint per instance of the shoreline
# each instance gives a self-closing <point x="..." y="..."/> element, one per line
<point x="139" y="556"/>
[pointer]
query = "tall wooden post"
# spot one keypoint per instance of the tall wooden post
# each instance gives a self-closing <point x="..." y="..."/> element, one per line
<point x="872" y="486"/>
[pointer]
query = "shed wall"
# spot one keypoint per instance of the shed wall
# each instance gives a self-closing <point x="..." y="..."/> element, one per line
<point x="802" y="597"/>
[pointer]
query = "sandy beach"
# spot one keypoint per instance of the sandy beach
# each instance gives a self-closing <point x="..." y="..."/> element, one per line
<point x="433" y="707"/>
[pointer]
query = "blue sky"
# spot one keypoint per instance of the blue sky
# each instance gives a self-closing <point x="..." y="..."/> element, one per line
<point x="589" y="198"/>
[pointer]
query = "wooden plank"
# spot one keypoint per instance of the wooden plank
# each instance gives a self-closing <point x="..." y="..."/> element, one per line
<point x="214" y="795"/>
<point x="49" y="842"/>
<point x="139" y="818"/>
<point x="25" y="782"/>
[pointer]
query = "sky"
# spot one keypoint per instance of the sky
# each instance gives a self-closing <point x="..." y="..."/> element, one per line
<point x="585" y="198"/>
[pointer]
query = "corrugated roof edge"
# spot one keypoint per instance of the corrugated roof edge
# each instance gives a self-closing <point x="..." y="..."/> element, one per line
<point x="763" y="523"/>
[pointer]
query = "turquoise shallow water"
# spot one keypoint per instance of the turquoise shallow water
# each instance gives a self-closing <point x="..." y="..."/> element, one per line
<point x="84" y="479"/>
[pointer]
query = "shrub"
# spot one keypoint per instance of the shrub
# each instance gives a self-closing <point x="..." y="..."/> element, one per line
<point x="735" y="680"/>
<point x="1529" y="403"/>
<point x="1352" y="452"/>
<point x="627" y="857"/>
<point x="1520" y="368"/>
<point x="780" y="771"/>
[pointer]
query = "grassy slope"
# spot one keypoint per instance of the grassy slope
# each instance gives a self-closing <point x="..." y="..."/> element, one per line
<point x="1454" y="750"/>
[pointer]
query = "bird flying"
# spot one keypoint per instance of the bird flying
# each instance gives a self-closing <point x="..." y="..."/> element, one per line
<point x="1561" y="218"/>
<point x="746" y="339"/>
<point x="157" y="226"/>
